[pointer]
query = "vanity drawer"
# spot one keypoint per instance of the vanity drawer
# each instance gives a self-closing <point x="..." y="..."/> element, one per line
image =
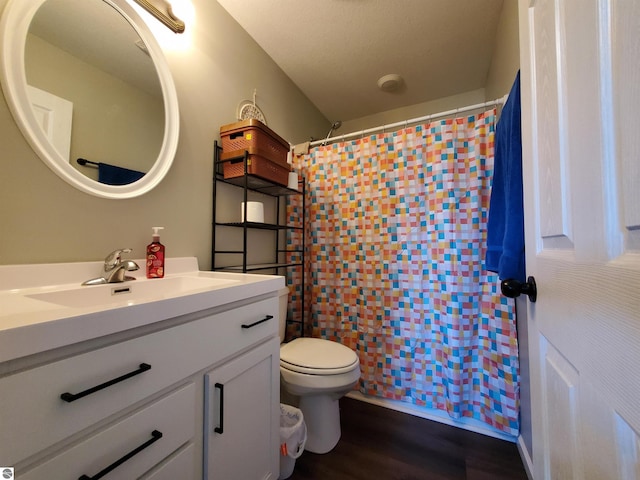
<point x="172" y="419"/>
<point x="181" y="466"/>
<point x="40" y="418"/>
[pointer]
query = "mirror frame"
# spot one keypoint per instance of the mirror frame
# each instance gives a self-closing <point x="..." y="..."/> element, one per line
<point x="14" y="27"/>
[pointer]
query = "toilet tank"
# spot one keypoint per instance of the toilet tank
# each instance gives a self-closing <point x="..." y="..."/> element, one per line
<point x="283" y="296"/>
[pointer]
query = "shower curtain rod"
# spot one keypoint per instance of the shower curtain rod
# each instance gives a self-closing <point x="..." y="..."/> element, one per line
<point x="497" y="101"/>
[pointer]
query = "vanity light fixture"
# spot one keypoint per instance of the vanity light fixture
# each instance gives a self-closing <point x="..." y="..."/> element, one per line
<point x="168" y="18"/>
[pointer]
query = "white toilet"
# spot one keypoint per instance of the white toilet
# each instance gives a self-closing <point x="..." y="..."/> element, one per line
<point x="319" y="372"/>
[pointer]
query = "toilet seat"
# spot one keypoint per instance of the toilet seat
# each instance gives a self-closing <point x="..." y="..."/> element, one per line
<point x="316" y="356"/>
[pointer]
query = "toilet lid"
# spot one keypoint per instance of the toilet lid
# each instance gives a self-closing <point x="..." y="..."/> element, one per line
<point x="317" y="356"/>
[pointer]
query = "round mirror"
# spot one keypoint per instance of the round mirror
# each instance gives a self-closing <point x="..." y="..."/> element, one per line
<point x="91" y="91"/>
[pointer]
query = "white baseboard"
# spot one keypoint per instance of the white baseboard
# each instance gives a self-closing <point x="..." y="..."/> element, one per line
<point x="469" y="424"/>
<point x="526" y="457"/>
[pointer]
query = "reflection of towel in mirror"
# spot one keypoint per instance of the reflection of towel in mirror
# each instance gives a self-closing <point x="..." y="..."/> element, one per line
<point x="505" y="228"/>
<point x="112" y="175"/>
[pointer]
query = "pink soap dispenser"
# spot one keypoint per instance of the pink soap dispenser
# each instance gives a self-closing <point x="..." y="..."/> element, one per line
<point x="155" y="256"/>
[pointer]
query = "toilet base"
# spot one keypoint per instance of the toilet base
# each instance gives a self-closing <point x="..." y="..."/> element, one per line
<point x="322" y="417"/>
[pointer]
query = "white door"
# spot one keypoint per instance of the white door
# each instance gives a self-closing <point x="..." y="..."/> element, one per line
<point x="55" y="116"/>
<point x="580" y="62"/>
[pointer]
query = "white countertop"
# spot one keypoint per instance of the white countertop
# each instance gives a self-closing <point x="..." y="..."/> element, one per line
<point x="29" y="326"/>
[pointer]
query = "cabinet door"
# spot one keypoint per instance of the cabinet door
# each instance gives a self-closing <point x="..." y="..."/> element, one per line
<point x="242" y="408"/>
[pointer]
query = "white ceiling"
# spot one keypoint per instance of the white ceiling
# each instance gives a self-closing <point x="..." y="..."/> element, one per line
<point x="336" y="50"/>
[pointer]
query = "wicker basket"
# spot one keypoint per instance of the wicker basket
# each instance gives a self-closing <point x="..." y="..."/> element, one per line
<point x="253" y="134"/>
<point x="257" y="165"/>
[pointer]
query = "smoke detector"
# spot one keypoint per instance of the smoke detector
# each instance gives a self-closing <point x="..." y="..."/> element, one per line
<point x="390" y="83"/>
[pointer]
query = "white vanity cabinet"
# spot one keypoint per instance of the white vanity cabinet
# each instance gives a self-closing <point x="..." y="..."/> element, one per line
<point x="148" y="419"/>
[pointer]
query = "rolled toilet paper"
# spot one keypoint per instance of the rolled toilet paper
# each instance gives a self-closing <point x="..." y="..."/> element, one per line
<point x="293" y="181"/>
<point x="255" y="212"/>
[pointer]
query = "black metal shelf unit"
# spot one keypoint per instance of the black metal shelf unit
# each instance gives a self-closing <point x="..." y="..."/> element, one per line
<point x="250" y="182"/>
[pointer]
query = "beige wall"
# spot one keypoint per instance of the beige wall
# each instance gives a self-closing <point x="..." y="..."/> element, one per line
<point x="413" y="111"/>
<point x="506" y="53"/>
<point x="43" y="219"/>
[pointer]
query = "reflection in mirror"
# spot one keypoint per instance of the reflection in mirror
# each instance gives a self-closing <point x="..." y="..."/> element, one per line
<point x="85" y="53"/>
<point x="111" y="120"/>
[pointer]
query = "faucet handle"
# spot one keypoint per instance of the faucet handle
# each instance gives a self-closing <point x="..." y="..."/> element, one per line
<point x="113" y="258"/>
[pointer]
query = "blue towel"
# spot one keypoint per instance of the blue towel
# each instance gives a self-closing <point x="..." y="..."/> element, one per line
<point x="112" y="175"/>
<point x="505" y="228"/>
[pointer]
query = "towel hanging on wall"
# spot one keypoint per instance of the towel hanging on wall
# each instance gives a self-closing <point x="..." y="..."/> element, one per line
<point x="505" y="227"/>
<point x="112" y="175"/>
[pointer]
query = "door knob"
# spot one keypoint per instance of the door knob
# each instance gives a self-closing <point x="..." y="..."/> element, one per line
<point x="512" y="288"/>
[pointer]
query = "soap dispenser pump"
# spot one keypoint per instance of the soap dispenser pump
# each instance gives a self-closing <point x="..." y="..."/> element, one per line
<point x="155" y="256"/>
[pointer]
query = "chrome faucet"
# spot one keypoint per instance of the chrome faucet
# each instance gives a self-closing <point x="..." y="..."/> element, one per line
<point x="114" y="269"/>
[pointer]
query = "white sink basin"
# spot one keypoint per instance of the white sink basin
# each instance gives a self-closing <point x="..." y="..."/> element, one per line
<point x="44" y="307"/>
<point x="131" y="292"/>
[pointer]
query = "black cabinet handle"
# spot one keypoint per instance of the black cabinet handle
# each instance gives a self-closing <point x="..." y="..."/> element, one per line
<point x="156" y="435"/>
<point x="220" y="428"/>
<point x="72" y="397"/>
<point x="268" y="317"/>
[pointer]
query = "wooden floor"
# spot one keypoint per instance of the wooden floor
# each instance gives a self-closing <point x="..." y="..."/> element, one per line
<point x="381" y="444"/>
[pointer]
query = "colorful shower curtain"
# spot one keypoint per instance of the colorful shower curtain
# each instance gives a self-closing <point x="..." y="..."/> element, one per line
<point x="396" y="234"/>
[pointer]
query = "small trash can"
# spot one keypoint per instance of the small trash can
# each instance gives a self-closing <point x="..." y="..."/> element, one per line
<point x="293" y="436"/>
